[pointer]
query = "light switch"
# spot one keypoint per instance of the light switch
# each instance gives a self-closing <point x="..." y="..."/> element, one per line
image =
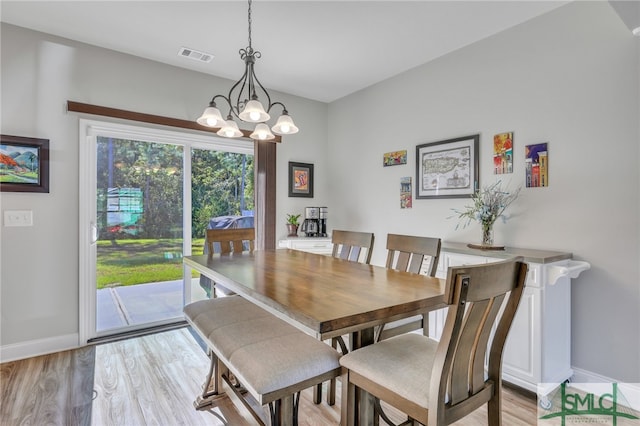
<point x="18" y="218"/>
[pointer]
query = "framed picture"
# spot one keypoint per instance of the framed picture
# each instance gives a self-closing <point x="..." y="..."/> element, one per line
<point x="447" y="169"/>
<point x="24" y="164"/>
<point x="300" y="180"/>
<point x="536" y="159"/>
<point x="394" y="158"/>
<point x="503" y="153"/>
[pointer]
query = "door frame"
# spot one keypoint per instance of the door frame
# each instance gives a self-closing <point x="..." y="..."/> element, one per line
<point x="89" y="130"/>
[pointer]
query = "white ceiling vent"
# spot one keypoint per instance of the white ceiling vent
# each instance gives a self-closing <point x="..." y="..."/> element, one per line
<point x="195" y="54"/>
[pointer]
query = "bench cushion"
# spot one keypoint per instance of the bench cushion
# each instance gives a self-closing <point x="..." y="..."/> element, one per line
<point x="210" y="314"/>
<point x="270" y="357"/>
<point x="288" y="361"/>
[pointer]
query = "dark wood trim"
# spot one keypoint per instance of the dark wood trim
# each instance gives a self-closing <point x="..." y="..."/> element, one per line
<point x="265" y="185"/>
<point x="147" y="118"/>
<point x="264" y="163"/>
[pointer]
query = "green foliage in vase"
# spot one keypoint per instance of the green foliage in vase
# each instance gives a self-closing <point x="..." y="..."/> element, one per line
<point x="488" y="205"/>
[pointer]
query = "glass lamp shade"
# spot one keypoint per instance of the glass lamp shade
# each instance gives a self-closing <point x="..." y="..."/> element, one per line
<point x="253" y="112"/>
<point x="210" y="117"/>
<point x="262" y="133"/>
<point x="284" y="125"/>
<point x="229" y="130"/>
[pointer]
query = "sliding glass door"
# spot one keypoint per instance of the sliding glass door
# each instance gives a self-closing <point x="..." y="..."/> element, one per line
<point x="149" y="196"/>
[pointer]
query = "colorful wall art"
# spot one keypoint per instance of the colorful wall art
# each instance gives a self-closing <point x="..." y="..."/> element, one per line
<point x="537" y="165"/>
<point x="503" y="153"/>
<point x="394" y="158"/>
<point x="406" y="200"/>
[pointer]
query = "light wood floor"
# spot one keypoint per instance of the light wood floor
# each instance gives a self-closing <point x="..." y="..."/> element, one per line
<point x="153" y="380"/>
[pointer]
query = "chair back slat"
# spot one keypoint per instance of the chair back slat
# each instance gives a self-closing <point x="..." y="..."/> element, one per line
<point x="407" y="253"/>
<point x="478" y="361"/>
<point x="352" y="245"/>
<point x="476" y="295"/>
<point x="230" y="240"/>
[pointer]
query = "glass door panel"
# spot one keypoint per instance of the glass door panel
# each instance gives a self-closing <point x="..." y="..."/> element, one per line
<point x="222" y="196"/>
<point x="139" y="196"/>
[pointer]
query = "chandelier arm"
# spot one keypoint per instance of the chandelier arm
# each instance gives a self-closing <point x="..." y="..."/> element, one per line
<point x="263" y="89"/>
<point x="284" y="108"/>
<point x="213" y="100"/>
<point x="236" y="108"/>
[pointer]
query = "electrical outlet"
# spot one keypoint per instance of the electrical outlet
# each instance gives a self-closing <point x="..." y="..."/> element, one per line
<point x="18" y="218"/>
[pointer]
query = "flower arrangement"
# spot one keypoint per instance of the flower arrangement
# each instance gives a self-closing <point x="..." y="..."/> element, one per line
<point x="489" y="204"/>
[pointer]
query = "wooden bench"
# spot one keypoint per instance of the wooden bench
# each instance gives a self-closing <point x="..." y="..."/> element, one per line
<point x="269" y="358"/>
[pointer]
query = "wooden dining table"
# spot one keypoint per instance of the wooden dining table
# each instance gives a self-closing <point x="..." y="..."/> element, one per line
<point x="324" y="296"/>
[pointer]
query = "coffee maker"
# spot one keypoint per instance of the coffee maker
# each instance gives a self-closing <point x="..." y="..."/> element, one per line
<point x="311" y="223"/>
<point x="322" y="230"/>
<point x="315" y="222"/>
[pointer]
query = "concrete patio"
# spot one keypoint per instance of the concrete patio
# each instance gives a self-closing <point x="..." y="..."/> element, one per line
<point x="138" y="304"/>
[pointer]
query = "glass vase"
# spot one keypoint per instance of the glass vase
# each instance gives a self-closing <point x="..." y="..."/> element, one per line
<point x="487" y="235"/>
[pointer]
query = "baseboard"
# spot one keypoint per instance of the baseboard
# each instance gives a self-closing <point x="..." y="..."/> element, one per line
<point x="31" y="348"/>
<point x="631" y="391"/>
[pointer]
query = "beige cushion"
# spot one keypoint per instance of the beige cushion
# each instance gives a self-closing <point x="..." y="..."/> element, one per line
<point x="208" y="315"/>
<point x="264" y="352"/>
<point x="401" y="363"/>
<point x="283" y="362"/>
<point x="227" y="339"/>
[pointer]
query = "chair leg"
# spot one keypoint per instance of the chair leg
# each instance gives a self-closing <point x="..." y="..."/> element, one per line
<point x="331" y="392"/>
<point x="348" y="399"/>
<point x="494" y="406"/>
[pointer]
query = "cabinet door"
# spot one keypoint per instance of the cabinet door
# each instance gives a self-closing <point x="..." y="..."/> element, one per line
<point x="521" y="357"/>
<point x="319" y="247"/>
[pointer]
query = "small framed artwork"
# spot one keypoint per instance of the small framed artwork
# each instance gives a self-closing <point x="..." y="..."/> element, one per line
<point x="300" y="179"/>
<point x="503" y="153"/>
<point x="24" y="164"/>
<point x="448" y="168"/>
<point x="394" y="158"/>
<point x="405" y="192"/>
<point x="537" y="165"/>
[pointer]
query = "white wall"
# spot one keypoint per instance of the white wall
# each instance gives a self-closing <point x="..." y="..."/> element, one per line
<point x="569" y="78"/>
<point x="39" y="73"/>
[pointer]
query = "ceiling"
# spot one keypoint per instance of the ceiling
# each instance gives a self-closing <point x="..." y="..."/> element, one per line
<point x="321" y="50"/>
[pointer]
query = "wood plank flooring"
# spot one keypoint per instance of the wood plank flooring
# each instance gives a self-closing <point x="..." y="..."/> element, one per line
<point x="153" y="380"/>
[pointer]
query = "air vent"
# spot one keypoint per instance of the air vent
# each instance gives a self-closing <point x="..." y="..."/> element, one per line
<point x="195" y="54"/>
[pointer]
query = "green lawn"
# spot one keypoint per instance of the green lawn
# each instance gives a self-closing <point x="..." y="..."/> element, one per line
<point x="130" y="262"/>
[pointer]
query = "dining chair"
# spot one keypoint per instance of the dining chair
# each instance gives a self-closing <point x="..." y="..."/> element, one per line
<point x="356" y="247"/>
<point x="352" y="245"/>
<point x="438" y="383"/>
<point x="226" y="241"/>
<point x="407" y="253"/>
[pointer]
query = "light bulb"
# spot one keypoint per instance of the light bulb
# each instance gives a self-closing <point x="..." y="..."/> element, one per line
<point x="255" y="115"/>
<point x="211" y="121"/>
<point x="229" y="133"/>
<point x="285" y="128"/>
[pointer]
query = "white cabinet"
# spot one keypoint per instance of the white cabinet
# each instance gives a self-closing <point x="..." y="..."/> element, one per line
<point x="538" y="348"/>
<point x="316" y="245"/>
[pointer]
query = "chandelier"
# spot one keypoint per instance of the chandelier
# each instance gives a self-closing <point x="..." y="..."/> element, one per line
<point x="243" y="103"/>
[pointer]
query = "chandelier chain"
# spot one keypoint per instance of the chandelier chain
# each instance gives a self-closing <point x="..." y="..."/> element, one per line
<point x="249" y="19"/>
